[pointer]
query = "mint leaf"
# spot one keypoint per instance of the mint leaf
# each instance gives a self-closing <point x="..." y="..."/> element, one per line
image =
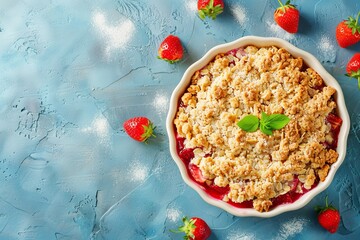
<point x="277" y="121"/>
<point x="268" y="123"/>
<point x="249" y="123"/>
<point x="265" y="130"/>
<point x="264" y="117"/>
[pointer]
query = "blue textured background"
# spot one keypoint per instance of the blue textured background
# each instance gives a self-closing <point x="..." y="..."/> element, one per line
<point x="72" y="71"/>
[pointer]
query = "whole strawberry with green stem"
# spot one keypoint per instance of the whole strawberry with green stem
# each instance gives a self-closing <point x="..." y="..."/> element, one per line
<point x="194" y="228"/>
<point x="353" y="68"/>
<point x="210" y="8"/>
<point x="139" y="128"/>
<point x="348" y="32"/>
<point x="328" y="217"/>
<point x="171" y="49"/>
<point x="287" y="17"/>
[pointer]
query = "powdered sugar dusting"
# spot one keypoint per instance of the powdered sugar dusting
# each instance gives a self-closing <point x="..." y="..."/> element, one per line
<point x="327" y="49"/>
<point x="115" y="36"/>
<point x="239" y="235"/>
<point x="291" y="228"/>
<point x="160" y="103"/>
<point x="325" y="44"/>
<point x="173" y="214"/>
<point x="138" y="172"/>
<point x="278" y="31"/>
<point x="99" y="126"/>
<point x="191" y="5"/>
<point x="239" y="13"/>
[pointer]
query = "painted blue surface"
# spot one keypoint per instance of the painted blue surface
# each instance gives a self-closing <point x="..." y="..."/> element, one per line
<point x="72" y="71"/>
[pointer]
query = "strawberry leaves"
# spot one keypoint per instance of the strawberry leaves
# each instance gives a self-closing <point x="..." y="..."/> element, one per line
<point x="267" y="123"/>
<point x="283" y="7"/>
<point x="210" y="8"/>
<point x="353" y="24"/>
<point x="189" y="227"/>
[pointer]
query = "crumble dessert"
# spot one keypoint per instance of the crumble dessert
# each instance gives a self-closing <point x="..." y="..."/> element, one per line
<point x="252" y="169"/>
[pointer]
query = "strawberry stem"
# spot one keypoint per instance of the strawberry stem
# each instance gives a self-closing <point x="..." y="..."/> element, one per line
<point x="358" y="82"/>
<point x="321" y="209"/>
<point x="280" y="3"/>
<point x="326" y="201"/>
<point x="357" y="19"/>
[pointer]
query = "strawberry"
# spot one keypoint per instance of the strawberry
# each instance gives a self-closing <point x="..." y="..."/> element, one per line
<point x="287" y="17"/>
<point x="171" y="49"/>
<point x="210" y="8"/>
<point x="139" y="128"/>
<point x="348" y="32"/>
<point x="328" y="217"/>
<point x="195" y="229"/>
<point x="353" y="68"/>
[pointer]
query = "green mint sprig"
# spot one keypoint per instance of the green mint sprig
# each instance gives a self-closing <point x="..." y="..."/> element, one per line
<point x="267" y="123"/>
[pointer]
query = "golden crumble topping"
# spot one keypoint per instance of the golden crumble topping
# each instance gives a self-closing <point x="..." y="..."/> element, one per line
<point x="256" y="166"/>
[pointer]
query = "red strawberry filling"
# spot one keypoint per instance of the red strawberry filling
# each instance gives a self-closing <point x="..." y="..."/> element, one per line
<point x="335" y="122"/>
<point x="196" y="173"/>
<point x="186" y="154"/>
<point x="237" y="52"/>
<point x="291" y="196"/>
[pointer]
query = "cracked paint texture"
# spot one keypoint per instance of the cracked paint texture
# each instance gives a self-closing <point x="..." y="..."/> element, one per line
<point x="72" y="71"/>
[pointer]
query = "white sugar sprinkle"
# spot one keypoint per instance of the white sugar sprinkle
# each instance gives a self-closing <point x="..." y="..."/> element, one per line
<point x="99" y="126"/>
<point x="240" y="236"/>
<point x="191" y="5"/>
<point x="160" y="103"/>
<point x="278" y="31"/>
<point x="173" y="214"/>
<point x="239" y="13"/>
<point x="291" y="228"/>
<point x="325" y="44"/>
<point x="138" y="172"/>
<point x="326" y="49"/>
<point x="115" y="36"/>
